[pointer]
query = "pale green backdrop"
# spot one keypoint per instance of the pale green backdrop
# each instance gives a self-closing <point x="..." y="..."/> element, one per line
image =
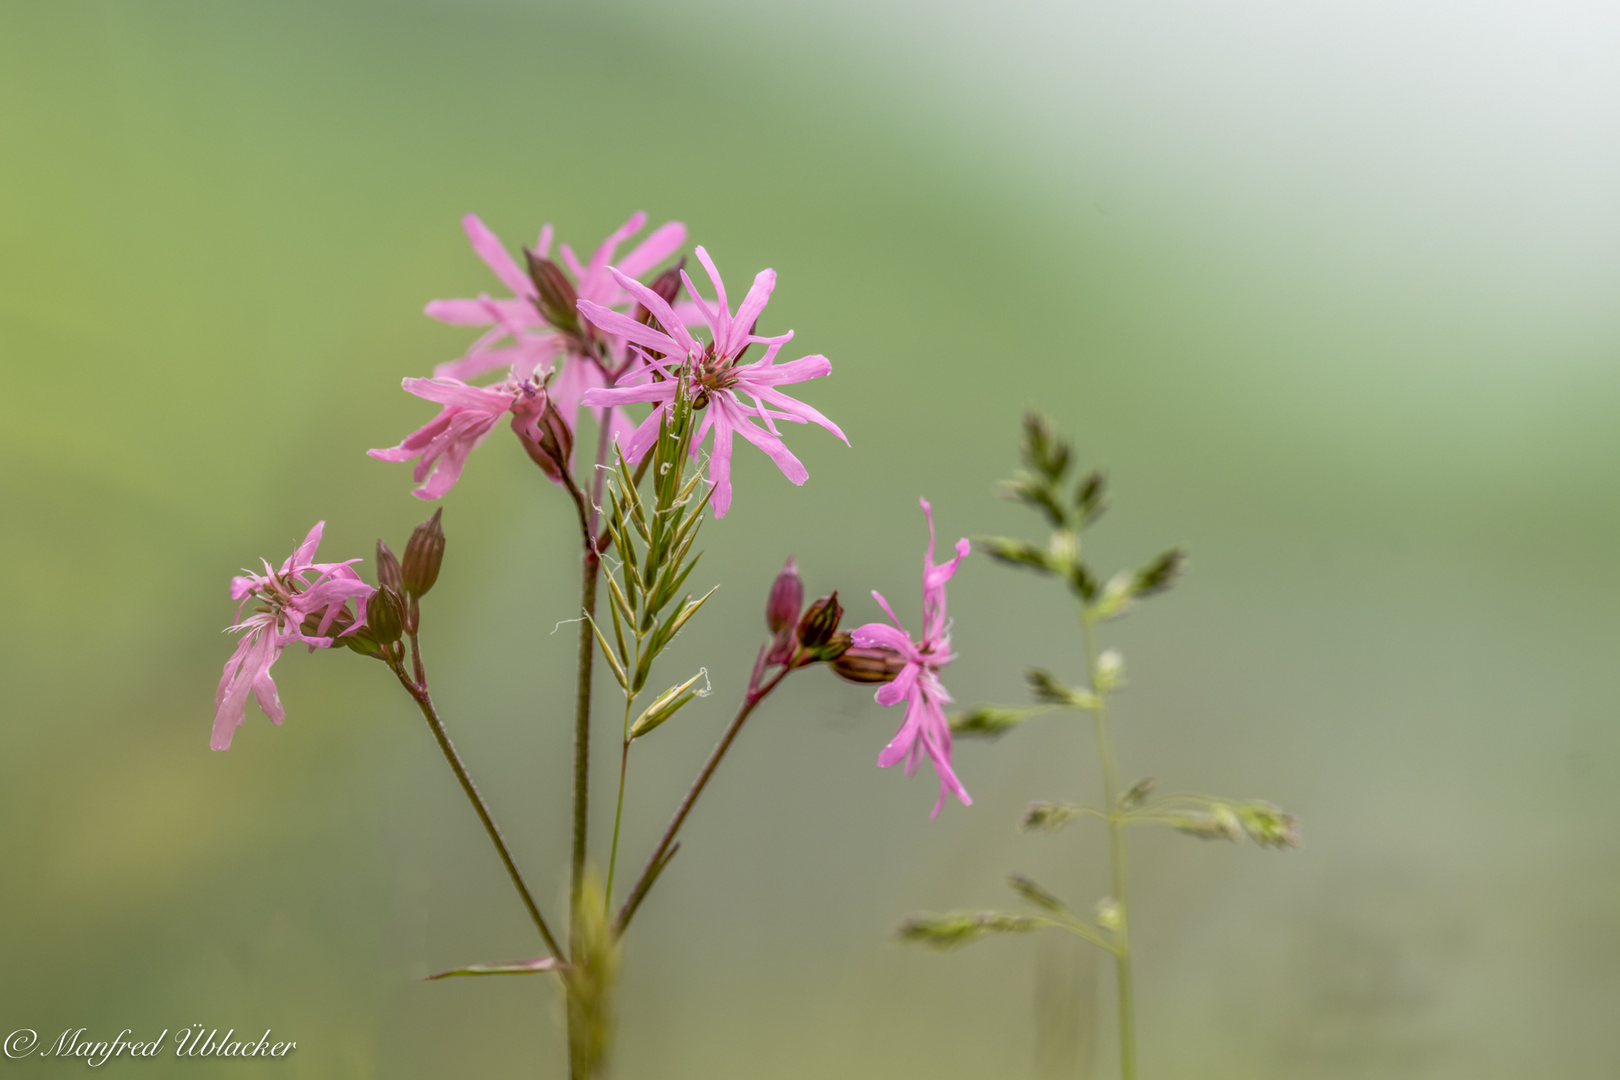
<point x="1329" y="289"/>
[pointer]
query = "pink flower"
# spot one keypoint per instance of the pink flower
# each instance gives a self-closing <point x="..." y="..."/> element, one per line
<point x="520" y="340"/>
<point x="925" y="729"/>
<point x="469" y="414"/>
<point x="713" y="375"/>
<point x="288" y="598"/>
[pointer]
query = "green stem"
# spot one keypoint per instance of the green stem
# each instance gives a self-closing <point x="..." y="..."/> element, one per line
<point x="590" y="565"/>
<point x="1116" y="859"/>
<point x="424" y="701"/>
<point x="618" y="814"/>
<point x="582" y="717"/>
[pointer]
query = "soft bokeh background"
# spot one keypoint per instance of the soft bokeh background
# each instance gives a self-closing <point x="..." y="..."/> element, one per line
<point x="1328" y="288"/>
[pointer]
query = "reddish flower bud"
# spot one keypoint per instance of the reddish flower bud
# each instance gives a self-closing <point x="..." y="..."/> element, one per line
<point x="388" y="569"/>
<point x="545" y="435"/>
<point x="557" y="301"/>
<point x="872" y="664"/>
<point x="787" y="598"/>
<point x="423" y="554"/>
<point x="820" y="622"/>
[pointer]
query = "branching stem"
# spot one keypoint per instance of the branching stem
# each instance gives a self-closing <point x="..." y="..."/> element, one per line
<point x="660" y="853"/>
<point x="1116" y="857"/>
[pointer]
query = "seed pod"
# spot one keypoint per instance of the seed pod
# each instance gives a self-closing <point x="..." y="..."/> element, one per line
<point x="557" y="301"/>
<point x="868" y="664"/>
<point x="423" y="554"/>
<point x="787" y="598"/>
<point x="820" y="622"/>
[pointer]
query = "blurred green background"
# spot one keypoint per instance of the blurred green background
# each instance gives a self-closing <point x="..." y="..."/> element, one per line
<point x="1328" y="289"/>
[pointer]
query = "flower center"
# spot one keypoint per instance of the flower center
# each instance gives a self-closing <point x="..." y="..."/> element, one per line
<point x="709" y="376"/>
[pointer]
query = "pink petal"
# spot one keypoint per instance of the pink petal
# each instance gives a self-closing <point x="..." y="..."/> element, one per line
<point x="458" y="312"/>
<point x="881" y="634"/>
<point x="630" y="395"/>
<point x="456" y="393"/>
<point x="604" y="253"/>
<point x="762" y="374"/>
<point x="904" y="686"/>
<point x="624" y="326"/>
<point x="663" y="242"/>
<point x="798" y="410"/>
<point x="720" y="463"/>
<point x="774" y="448"/>
<point x="488" y="247"/>
<point x="754" y="303"/>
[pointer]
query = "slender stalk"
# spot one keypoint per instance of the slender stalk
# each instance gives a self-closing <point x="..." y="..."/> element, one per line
<point x="424" y="701"/>
<point x="1116" y="859"/>
<point x="618" y="814"/>
<point x="582" y="717"/>
<point x="590" y="565"/>
<point x="660" y="854"/>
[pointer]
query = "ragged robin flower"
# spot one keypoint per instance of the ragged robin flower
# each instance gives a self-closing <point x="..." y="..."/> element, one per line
<point x="303" y="601"/>
<point x="925" y="730"/>
<point x="469" y="414"/>
<point x="712" y="374"/>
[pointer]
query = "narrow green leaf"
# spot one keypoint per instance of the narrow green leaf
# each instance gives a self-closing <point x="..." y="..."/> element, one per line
<point x="672" y="626"/>
<point x="620" y="602"/>
<point x="508" y="967"/>
<point x="618" y="630"/>
<point x="613" y="661"/>
<point x="666" y="705"/>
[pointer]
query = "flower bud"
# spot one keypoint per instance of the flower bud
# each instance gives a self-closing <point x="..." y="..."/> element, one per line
<point x="557" y="301"/>
<point x="787" y="598"/>
<point x="423" y="554"/>
<point x="385" y="617"/>
<point x="837" y="645"/>
<point x="388" y="569"/>
<point x="820" y="622"/>
<point x="545" y="435"/>
<point x="668" y="286"/>
<point x="868" y="664"/>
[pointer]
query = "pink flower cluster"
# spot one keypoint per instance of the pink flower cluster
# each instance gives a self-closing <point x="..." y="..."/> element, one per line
<point x="289" y="598"/>
<point x="532" y="356"/>
<point x="617" y="357"/>
<point x="925" y="730"/>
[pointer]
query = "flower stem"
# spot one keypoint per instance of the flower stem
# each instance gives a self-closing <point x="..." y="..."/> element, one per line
<point x="655" y="862"/>
<point x="618" y="814"/>
<point x="590" y="564"/>
<point x="582" y="717"/>
<point x="424" y="701"/>
<point x="1116" y="858"/>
